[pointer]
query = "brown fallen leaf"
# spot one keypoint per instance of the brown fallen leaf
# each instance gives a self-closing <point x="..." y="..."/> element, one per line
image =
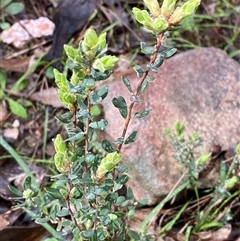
<point x="222" y="233"/>
<point x="23" y="233"/>
<point x="47" y="97"/>
<point x="9" y="217"/>
<point x="3" y="222"/>
<point x="20" y="65"/>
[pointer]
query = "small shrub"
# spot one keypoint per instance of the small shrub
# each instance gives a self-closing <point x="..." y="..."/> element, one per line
<point x="83" y="199"/>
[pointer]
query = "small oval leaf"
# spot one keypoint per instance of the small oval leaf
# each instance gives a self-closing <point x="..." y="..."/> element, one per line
<point x="103" y="92"/>
<point x="131" y="138"/>
<point x="134" y="235"/>
<point x="168" y="52"/>
<point x="95" y="98"/>
<point x="143" y="86"/>
<point x="99" y="125"/>
<point x="122" y="179"/>
<point x="146" y="49"/>
<point x="15" y="191"/>
<point x="106" y="145"/>
<point x="15" y="8"/>
<point x="127" y="83"/>
<point x="142" y="114"/>
<point x="27" y="183"/>
<point x="16" y="108"/>
<point x="54" y="193"/>
<point x="121" y="104"/>
<point x="140" y="71"/>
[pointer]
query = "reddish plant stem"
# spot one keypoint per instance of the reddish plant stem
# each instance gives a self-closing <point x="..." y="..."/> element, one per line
<point x="75" y="118"/>
<point x="136" y="93"/>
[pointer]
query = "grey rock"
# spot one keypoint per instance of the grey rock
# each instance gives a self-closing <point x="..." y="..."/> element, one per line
<point x="200" y="88"/>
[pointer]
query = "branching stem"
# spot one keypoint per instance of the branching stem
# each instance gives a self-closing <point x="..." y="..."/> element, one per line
<point x="130" y="108"/>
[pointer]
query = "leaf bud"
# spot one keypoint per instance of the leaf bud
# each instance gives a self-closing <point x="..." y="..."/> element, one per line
<point x="28" y="193"/>
<point x="108" y="163"/>
<point x="153" y="7"/>
<point x="168" y="7"/>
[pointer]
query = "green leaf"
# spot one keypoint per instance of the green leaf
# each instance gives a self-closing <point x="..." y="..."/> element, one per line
<point x="150" y="78"/>
<point x="146" y="49"/>
<point x="120" y="200"/>
<point x="49" y="73"/>
<point x="168" y="53"/>
<point x="95" y="98"/>
<point x="90" y="196"/>
<point x="152" y="67"/>
<point x="103" y="92"/>
<point x="167" y="43"/>
<point x="238" y="149"/>
<point x="27" y="183"/>
<point x="77" y="137"/>
<point x="53" y="192"/>
<point x="51" y="239"/>
<point x="26" y="103"/>
<point x="95" y="110"/>
<point x="179" y="128"/>
<point x="130" y="214"/>
<point x="131" y="138"/>
<point x="89" y="81"/>
<point x="88" y="233"/>
<point x="65" y="118"/>
<point x="126" y="203"/>
<point x="16" y="108"/>
<point x="127" y="83"/>
<point x="122" y="179"/>
<point x="15" y="191"/>
<point x="130" y="193"/>
<point x="134" y="235"/>
<point x="158" y="61"/>
<point x="142" y="202"/>
<point x="99" y="125"/>
<point x="5" y="25"/>
<point x="101" y="234"/>
<point x="142" y="114"/>
<point x="122" y="169"/>
<point x="3" y="78"/>
<point x="143" y="86"/>
<point x="119" y="141"/>
<point x="121" y="104"/>
<point x="70" y="51"/>
<point x="100" y="192"/>
<point x="63" y="213"/>
<point x="15" y="8"/>
<point x="4" y="3"/>
<point x="104" y="212"/>
<point x="140" y="71"/>
<point x="81" y="103"/>
<point x="106" y="145"/>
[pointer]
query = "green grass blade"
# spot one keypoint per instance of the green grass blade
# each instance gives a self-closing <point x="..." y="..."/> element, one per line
<point x="19" y="160"/>
<point x="156" y="210"/>
<point x="170" y="224"/>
